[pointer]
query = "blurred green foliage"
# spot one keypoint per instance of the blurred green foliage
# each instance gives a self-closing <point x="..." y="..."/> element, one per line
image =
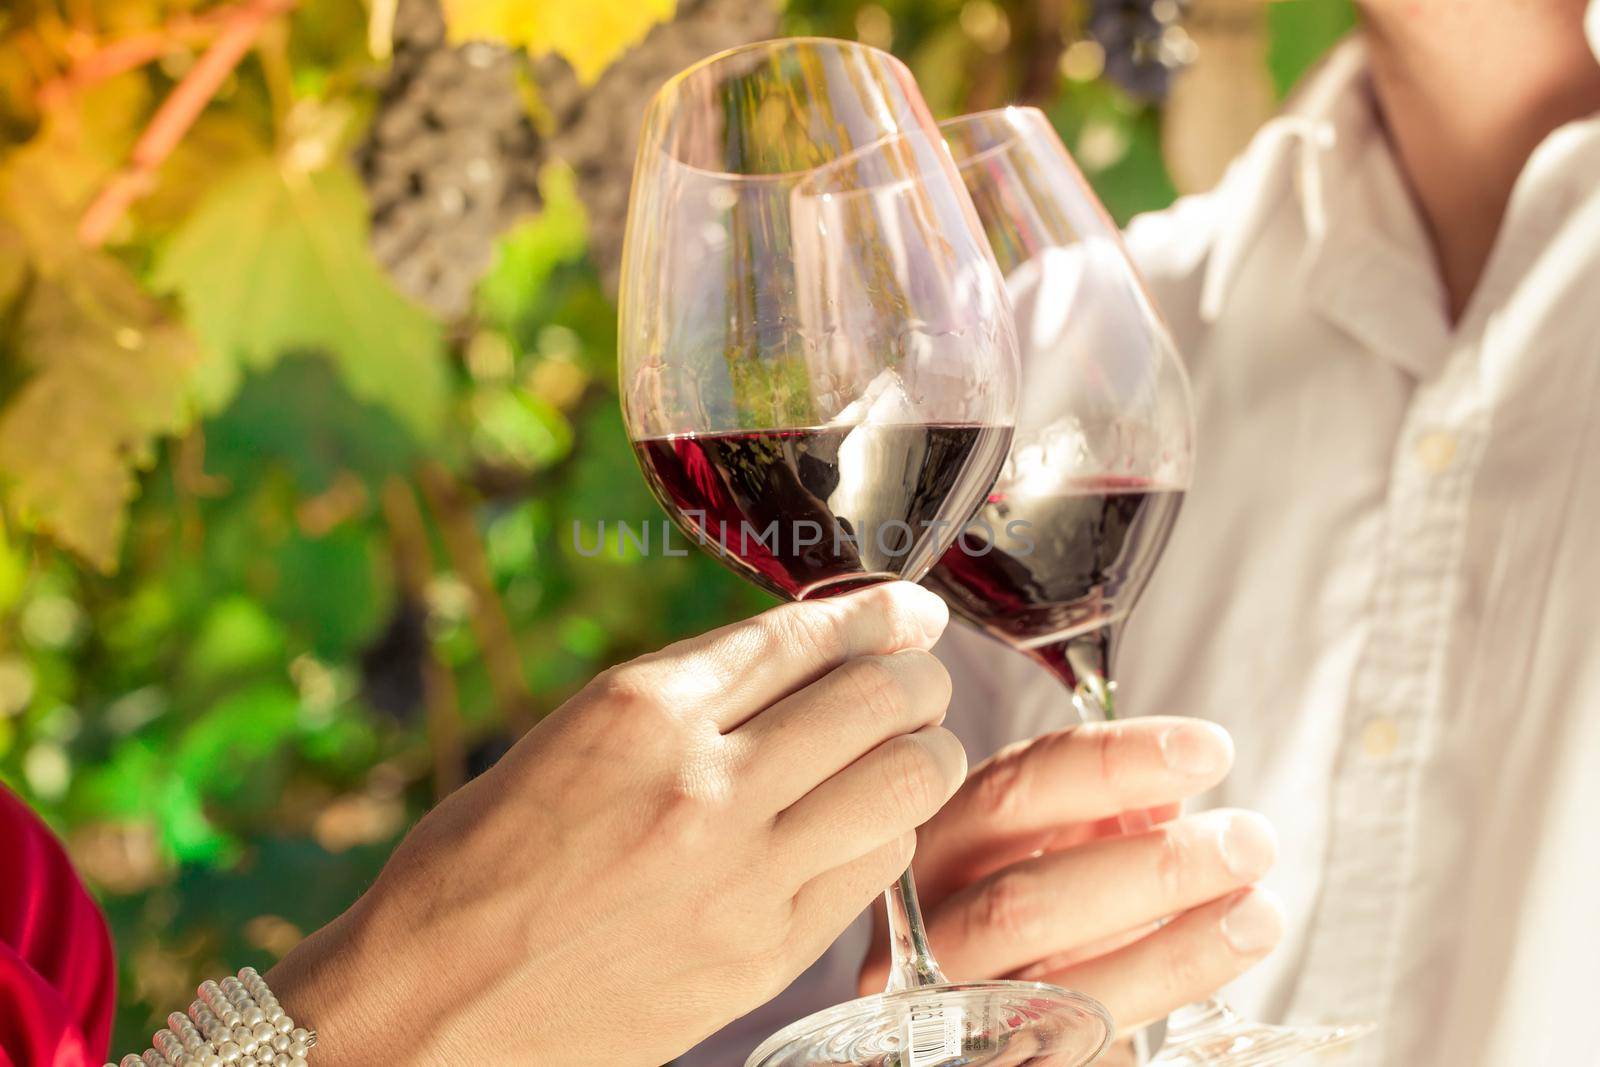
<point x="219" y="699"/>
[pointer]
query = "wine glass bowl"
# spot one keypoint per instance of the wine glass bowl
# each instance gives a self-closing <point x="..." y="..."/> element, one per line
<point x="1104" y="441"/>
<point x="712" y="335"/>
<point x="1087" y="327"/>
<point x="817" y="358"/>
<point x="819" y="377"/>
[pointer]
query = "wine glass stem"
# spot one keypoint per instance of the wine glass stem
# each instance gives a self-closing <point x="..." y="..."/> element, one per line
<point x="911" y="962"/>
<point x="1083" y="663"/>
<point x="1085" y="668"/>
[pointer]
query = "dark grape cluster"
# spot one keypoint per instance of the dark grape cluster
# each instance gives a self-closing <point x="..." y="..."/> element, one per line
<point x="391" y="667"/>
<point x="451" y="161"/>
<point x="1143" y="41"/>
<point x="598" y="128"/>
<point x="452" y="158"/>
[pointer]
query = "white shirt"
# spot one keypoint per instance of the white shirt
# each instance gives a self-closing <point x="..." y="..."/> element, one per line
<point x="1385" y="583"/>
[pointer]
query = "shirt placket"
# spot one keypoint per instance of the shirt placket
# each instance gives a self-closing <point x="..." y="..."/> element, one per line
<point x="1393" y="713"/>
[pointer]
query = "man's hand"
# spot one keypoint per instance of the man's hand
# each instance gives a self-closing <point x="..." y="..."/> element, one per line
<point x="1026" y="872"/>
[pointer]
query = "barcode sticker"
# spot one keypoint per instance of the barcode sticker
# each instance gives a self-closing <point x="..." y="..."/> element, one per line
<point x="934" y="1038"/>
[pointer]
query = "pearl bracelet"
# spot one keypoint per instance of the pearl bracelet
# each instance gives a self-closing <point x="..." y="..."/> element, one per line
<point x="236" y="1022"/>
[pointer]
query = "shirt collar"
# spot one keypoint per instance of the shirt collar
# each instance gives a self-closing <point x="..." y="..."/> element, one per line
<point x="1366" y="266"/>
<point x="1296" y="153"/>
<point x="1365" y="247"/>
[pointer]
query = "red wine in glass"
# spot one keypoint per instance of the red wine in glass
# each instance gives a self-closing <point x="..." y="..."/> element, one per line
<point x="1053" y="571"/>
<point x="820" y="511"/>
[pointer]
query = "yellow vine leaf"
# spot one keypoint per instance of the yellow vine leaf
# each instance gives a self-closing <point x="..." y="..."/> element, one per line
<point x="587" y="35"/>
<point x="102" y="371"/>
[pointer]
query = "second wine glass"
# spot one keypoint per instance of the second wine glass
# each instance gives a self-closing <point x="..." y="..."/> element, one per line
<point x="1100" y="461"/>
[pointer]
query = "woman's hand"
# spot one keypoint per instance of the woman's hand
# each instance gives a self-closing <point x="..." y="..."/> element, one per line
<point x="665" y="852"/>
<point x="1026" y="873"/>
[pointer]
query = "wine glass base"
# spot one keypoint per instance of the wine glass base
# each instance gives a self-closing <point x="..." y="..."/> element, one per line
<point x="964" y="1024"/>
<point x="1212" y="1035"/>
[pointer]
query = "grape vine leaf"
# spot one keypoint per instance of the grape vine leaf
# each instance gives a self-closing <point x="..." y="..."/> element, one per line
<point x="527" y="254"/>
<point x="1301" y="34"/>
<point x="300" y="418"/>
<point x="13" y="263"/>
<point x="103" y="372"/>
<point x="589" y="36"/>
<point x="275" y="261"/>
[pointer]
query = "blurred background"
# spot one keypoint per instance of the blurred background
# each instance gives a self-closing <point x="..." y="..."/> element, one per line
<point x="307" y="346"/>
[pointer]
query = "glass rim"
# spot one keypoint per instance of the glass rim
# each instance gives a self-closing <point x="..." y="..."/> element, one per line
<point x="770" y="44"/>
<point x="813" y="174"/>
<point x="1008" y="115"/>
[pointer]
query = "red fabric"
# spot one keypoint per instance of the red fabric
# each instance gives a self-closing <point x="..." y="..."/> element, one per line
<point x="57" y="972"/>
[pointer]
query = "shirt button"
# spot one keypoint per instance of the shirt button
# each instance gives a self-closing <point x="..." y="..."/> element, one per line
<point x="1380" y="737"/>
<point x="1436" y="451"/>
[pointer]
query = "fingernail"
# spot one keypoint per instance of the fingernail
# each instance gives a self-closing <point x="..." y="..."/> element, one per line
<point x="930" y="611"/>
<point x="1253" y="925"/>
<point x="1249" y="845"/>
<point x="1197" y="749"/>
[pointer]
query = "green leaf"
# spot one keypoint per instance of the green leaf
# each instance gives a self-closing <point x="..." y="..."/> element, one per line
<point x="122" y="787"/>
<point x="300" y="417"/>
<point x="140" y="784"/>
<point x="515" y="428"/>
<point x="1301" y="32"/>
<point x="327" y="590"/>
<point x="188" y="834"/>
<point x="216" y="145"/>
<point x="511" y="541"/>
<point x="13" y="572"/>
<point x="605" y="483"/>
<point x="1138" y="180"/>
<point x="527" y="255"/>
<point x="236" y="636"/>
<point x="226" y="744"/>
<point x="273" y="262"/>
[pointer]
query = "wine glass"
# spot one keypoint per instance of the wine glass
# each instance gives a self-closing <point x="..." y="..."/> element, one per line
<point x="1102" y="455"/>
<point x="819" y="376"/>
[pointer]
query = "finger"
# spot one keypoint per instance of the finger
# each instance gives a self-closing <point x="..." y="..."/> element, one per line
<point x="1071" y="835"/>
<point x="810" y="736"/>
<point x="1035" y="972"/>
<point x="828" y="903"/>
<point x="1020" y="798"/>
<point x="1186" y="960"/>
<point x="887" y="792"/>
<point x="731" y="673"/>
<point x="1060" y="901"/>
